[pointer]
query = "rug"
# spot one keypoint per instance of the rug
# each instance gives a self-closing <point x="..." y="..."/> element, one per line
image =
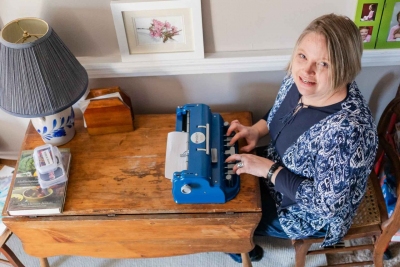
<point x="277" y="253"/>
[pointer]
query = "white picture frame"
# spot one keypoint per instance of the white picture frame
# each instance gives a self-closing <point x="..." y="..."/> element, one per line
<point x="158" y="30"/>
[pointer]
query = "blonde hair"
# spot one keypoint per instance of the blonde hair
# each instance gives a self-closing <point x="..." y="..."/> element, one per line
<point x="344" y="45"/>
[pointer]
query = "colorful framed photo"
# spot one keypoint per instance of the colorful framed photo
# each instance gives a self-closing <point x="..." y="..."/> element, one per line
<point x="367" y="18"/>
<point x="158" y="30"/>
<point x="389" y="31"/>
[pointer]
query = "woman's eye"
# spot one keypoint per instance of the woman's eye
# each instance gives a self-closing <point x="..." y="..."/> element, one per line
<point x="302" y="56"/>
<point x="323" y="64"/>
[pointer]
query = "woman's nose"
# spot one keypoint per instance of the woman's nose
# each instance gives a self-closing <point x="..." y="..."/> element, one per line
<point x="310" y="68"/>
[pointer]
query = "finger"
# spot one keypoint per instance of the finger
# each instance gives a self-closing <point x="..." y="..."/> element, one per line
<point x="239" y="171"/>
<point x="235" y="168"/>
<point x="234" y="126"/>
<point x="235" y="138"/>
<point x="234" y="157"/>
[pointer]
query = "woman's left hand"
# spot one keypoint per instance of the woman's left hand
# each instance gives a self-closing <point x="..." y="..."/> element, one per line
<point x="251" y="164"/>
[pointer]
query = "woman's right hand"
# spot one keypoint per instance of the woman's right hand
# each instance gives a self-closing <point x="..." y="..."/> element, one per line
<point x="251" y="134"/>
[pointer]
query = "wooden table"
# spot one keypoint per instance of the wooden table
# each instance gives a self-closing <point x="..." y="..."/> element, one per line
<point x="120" y="205"/>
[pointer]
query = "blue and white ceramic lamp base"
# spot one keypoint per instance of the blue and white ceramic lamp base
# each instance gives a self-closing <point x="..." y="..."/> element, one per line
<point x="56" y="129"/>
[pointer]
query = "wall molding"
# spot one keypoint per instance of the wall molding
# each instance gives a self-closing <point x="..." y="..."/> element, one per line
<point x="220" y="62"/>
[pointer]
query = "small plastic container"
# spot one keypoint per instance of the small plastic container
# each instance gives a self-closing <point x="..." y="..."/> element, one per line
<point x="45" y="158"/>
<point x="49" y="165"/>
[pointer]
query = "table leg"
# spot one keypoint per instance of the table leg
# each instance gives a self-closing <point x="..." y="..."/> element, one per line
<point x="246" y="260"/>
<point x="44" y="262"/>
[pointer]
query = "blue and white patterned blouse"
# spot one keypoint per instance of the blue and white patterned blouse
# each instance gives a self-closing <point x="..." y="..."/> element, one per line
<point x="336" y="156"/>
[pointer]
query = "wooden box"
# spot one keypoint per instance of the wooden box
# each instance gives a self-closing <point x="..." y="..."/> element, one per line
<point x="109" y="115"/>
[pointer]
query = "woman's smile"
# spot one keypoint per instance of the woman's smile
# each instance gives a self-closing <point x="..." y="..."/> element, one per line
<point x="306" y="81"/>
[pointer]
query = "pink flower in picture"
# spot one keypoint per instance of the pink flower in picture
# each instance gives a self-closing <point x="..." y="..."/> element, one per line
<point x="156" y="33"/>
<point x="157" y="24"/>
<point x="164" y="30"/>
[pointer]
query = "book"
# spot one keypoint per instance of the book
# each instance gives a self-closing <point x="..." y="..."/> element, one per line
<point x="6" y="174"/>
<point x="27" y="197"/>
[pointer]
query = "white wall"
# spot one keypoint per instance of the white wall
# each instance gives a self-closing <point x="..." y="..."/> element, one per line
<point x="86" y="26"/>
<point x="254" y="91"/>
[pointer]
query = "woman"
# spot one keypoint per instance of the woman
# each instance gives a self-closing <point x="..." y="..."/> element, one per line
<point x="323" y="139"/>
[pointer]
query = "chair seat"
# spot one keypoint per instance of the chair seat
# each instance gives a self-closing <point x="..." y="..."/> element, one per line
<point x="366" y="223"/>
<point x="368" y="212"/>
<point x="367" y="218"/>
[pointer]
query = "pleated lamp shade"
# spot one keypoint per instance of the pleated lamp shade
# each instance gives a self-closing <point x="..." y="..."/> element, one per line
<point x="39" y="76"/>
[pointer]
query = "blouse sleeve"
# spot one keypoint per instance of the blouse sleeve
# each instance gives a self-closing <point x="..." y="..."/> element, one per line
<point x="344" y="160"/>
<point x="287" y="183"/>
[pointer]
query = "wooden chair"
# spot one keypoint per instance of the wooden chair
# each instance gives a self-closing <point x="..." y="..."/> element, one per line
<point x="7" y="252"/>
<point x="11" y="258"/>
<point x="371" y="219"/>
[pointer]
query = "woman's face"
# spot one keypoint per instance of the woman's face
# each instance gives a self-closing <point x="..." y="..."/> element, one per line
<point x="310" y="66"/>
<point x="364" y="33"/>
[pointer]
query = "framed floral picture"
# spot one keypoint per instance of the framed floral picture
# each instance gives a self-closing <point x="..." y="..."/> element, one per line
<point x="389" y="31"/>
<point x="158" y="30"/>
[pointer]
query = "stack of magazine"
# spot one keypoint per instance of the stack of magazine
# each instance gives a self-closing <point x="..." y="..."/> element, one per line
<point x="6" y="174"/>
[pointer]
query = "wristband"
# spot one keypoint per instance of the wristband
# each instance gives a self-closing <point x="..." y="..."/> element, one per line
<point x="271" y="171"/>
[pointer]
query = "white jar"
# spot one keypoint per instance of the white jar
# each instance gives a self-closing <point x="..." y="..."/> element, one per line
<point x="56" y="129"/>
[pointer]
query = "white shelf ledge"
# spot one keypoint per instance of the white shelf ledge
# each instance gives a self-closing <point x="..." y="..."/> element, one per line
<point x="221" y="62"/>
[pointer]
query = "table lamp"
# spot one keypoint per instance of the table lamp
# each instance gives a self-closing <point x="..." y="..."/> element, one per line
<point x="40" y="78"/>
